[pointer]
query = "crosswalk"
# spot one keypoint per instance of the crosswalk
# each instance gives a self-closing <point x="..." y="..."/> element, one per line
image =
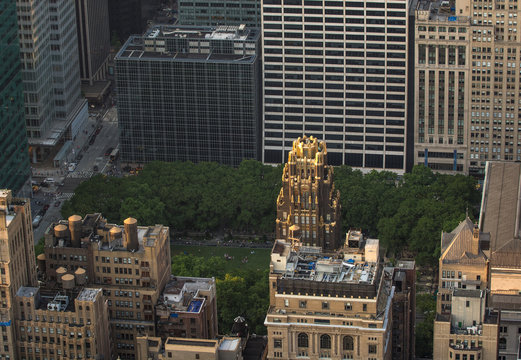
<point x="84" y="174"/>
<point x="66" y="196"/>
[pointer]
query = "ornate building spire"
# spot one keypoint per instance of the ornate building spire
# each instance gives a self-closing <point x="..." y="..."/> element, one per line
<point x="308" y="198"/>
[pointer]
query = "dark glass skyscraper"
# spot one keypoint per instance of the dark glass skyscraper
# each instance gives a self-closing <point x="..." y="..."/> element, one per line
<point x="190" y="93"/>
<point x="14" y="156"/>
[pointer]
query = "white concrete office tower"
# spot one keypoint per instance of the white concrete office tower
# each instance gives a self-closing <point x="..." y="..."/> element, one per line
<point x="55" y="109"/>
<point x="337" y="70"/>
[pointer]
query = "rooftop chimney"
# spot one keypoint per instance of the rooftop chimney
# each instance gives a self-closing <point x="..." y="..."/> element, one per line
<point x="475" y="239"/>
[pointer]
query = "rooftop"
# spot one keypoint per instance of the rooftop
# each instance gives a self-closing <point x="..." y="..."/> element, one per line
<point x="181" y="294"/>
<point x="191" y="342"/>
<point x="439" y="10"/>
<point x="193" y="43"/>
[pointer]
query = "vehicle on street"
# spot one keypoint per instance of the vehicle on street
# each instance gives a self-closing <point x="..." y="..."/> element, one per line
<point x="109" y="151"/>
<point x="36" y="221"/>
<point x="46" y="206"/>
<point x="72" y="167"/>
<point x="98" y="163"/>
<point x="49" y="181"/>
<point x="57" y="203"/>
<point x="92" y="139"/>
<point x="114" y="155"/>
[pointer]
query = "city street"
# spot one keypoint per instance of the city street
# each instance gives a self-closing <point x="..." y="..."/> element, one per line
<point x="53" y="196"/>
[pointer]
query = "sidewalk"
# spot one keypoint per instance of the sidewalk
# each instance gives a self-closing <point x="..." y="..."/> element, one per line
<point x="79" y="146"/>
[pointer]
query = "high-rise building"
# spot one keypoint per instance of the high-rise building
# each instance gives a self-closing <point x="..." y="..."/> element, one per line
<point x="54" y="107"/>
<point x="14" y="159"/>
<point x="464" y="327"/>
<point x="327" y="299"/>
<point x="442" y="82"/>
<point x="17" y="262"/>
<point x="92" y="20"/>
<point x="190" y="93"/>
<point x="338" y="71"/>
<point x="500" y="216"/>
<point x="214" y="12"/>
<point x="308" y="198"/>
<point x="130" y="17"/>
<point x="466" y="92"/>
<point x="130" y="263"/>
<point x="68" y="321"/>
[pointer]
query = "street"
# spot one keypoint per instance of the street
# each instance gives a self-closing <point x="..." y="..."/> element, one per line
<point x="54" y="195"/>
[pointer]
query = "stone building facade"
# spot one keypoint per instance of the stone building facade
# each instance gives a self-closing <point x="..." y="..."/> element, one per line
<point x="17" y="263"/>
<point x="130" y="263"/>
<point x="308" y="199"/>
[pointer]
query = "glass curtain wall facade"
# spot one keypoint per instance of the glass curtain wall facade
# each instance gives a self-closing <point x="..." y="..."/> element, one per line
<point x="14" y="158"/>
<point x="337" y="70"/>
<point x="190" y="93"/>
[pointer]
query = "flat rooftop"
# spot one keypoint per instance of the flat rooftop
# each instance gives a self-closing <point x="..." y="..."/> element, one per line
<point x="240" y="32"/>
<point x="192" y="342"/>
<point x="325" y="268"/>
<point x="440" y="10"/>
<point x="193" y="43"/>
<point x="181" y="294"/>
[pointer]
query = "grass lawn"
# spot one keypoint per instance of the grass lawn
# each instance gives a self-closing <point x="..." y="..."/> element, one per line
<point x="259" y="260"/>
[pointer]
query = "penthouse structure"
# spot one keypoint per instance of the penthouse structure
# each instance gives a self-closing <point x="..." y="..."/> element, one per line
<point x="71" y="322"/>
<point x="334" y="305"/>
<point x="190" y="93"/>
<point x="188" y="309"/>
<point x="130" y="263"/>
<point x="308" y="199"/>
<point x="337" y="70"/>
<point x="17" y="263"/>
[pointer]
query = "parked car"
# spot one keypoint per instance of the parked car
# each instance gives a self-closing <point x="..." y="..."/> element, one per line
<point x="109" y="150"/>
<point x="57" y="203"/>
<point x="72" y="167"/>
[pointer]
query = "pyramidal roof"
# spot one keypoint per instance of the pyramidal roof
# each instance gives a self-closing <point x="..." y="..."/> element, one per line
<point x="456" y="246"/>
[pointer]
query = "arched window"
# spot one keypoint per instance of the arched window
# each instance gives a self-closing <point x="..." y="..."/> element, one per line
<point x="303" y="340"/>
<point x="325" y="342"/>
<point x="348" y="343"/>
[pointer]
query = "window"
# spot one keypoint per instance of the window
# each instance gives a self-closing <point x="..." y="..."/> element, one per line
<point x="302" y="304"/>
<point x="364" y="307"/>
<point x="325" y="342"/>
<point x="348" y="343"/>
<point x="325" y="305"/>
<point x="347" y="306"/>
<point x="277" y="343"/>
<point x="372" y="349"/>
<point x="303" y="340"/>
